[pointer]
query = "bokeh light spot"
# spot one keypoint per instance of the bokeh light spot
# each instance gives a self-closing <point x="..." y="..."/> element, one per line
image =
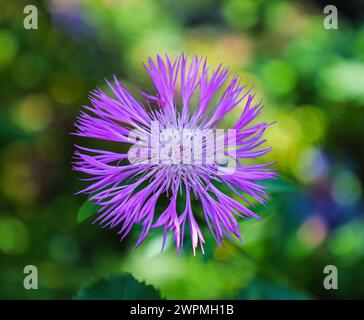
<point x="346" y="188"/>
<point x="9" y="47"/>
<point x="33" y="113"/>
<point x="13" y="236"/>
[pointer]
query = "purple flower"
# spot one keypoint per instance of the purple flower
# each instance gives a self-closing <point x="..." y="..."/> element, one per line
<point x="170" y="154"/>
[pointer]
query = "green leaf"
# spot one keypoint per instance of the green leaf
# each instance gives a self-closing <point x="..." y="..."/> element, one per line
<point x="119" y="287"/>
<point x="259" y="289"/>
<point x="87" y="210"/>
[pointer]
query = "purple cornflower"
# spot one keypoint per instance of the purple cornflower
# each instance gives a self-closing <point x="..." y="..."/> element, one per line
<point x="189" y="97"/>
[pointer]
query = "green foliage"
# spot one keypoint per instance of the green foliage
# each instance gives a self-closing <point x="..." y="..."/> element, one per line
<point x="87" y="210"/>
<point x="259" y="289"/>
<point x="119" y="287"/>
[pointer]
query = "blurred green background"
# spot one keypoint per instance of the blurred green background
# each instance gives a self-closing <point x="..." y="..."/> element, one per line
<point x="312" y="83"/>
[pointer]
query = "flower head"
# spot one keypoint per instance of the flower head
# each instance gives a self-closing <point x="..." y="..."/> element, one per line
<point x="178" y="151"/>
